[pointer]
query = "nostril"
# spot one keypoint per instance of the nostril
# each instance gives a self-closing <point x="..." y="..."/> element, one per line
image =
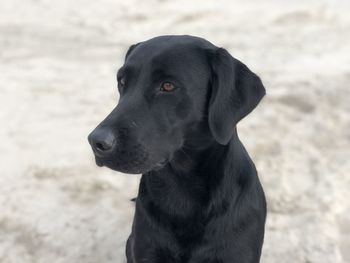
<point x="102" y="146"/>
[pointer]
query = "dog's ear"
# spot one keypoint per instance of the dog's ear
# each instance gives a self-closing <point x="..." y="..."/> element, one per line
<point x="131" y="48"/>
<point x="235" y="92"/>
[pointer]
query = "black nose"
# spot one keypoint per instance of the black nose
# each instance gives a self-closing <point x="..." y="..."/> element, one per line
<point x="102" y="141"/>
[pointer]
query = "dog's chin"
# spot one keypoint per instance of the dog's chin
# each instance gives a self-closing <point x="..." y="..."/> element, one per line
<point x="130" y="167"/>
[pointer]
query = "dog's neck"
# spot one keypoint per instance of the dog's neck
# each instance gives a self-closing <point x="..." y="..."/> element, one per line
<point x="196" y="183"/>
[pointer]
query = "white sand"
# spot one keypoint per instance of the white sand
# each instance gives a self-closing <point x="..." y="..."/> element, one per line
<point x="57" y="81"/>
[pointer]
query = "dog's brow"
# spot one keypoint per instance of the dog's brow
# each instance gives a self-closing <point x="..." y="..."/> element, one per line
<point x="162" y="72"/>
<point x="124" y="70"/>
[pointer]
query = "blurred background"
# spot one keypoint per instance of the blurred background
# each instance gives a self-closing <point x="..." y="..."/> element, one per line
<point x="58" y="61"/>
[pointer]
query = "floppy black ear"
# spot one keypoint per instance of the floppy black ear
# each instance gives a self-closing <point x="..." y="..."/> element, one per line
<point x="236" y="91"/>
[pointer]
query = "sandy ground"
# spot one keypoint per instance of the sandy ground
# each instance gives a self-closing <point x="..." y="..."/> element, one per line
<point x="57" y="81"/>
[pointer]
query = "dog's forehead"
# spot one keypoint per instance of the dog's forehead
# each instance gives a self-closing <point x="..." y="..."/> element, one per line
<point x="169" y="54"/>
<point x="169" y="50"/>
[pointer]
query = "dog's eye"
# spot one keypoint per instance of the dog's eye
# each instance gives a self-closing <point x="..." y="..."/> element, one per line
<point x="122" y="81"/>
<point x="167" y="87"/>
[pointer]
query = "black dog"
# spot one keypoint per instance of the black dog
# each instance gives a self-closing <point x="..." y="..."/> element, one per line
<point x="200" y="199"/>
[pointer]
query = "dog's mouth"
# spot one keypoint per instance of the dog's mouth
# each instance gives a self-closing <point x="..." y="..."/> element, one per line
<point x="136" y="166"/>
<point x="160" y="165"/>
<point x="98" y="161"/>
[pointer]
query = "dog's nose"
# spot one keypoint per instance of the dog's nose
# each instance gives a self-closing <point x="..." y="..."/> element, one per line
<point x="102" y="141"/>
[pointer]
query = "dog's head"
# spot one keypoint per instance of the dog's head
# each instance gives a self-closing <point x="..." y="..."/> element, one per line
<point x="174" y="90"/>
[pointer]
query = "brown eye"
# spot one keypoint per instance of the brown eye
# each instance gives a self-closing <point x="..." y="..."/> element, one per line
<point x="167" y="87"/>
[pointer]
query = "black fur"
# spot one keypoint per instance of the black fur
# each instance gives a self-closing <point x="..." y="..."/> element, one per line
<point x="200" y="199"/>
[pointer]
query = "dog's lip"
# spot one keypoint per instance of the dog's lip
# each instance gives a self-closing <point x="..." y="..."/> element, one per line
<point x="98" y="161"/>
<point x="160" y="165"/>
